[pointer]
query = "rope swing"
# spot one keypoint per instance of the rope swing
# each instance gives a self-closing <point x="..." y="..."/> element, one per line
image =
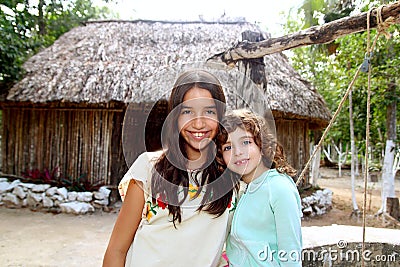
<point x="382" y="27"/>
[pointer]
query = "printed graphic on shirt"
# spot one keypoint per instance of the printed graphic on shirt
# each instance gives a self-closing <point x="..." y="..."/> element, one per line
<point x="232" y="204"/>
<point x="152" y="209"/>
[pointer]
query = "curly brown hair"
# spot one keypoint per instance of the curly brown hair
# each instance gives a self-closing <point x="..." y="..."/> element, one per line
<point x="272" y="151"/>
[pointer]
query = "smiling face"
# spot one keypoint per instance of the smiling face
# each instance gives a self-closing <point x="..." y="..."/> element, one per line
<point x="242" y="155"/>
<point x="197" y="121"/>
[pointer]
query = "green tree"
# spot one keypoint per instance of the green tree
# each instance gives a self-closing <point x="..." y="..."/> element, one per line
<point x="27" y="26"/>
<point x="332" y="69"/>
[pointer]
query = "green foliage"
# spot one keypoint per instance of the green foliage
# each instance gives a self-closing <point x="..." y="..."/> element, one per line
<point x="80" y="184"/>
<point x="332" y="73"/>
<point x="28" y="26"/>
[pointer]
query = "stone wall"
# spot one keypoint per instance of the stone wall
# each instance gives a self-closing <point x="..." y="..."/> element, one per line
<point x="17" y="194"/>
<point x="320" y="202"/>
<point x="351" y="255"/>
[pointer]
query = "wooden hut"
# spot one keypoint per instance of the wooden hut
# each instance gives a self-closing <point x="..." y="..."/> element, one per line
<point x="68" y="110"/>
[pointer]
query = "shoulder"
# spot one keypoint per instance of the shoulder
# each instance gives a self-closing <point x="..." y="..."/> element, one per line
<point x="279" y="179"/>
<point x="280" y="184"/>
<point x="283" y="193"/>
<point x="150" y="157"/>
<point x="140" y="171"/>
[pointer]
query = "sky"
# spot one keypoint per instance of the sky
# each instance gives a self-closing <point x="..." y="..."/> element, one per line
<point x="265" y="12"/>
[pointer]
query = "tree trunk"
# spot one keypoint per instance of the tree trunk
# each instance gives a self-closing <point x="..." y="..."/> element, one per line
<point x="315" y="167"/>
<point x="41" y="23"/>
<point x="315" y="35"/>
<point x="353" y="155"/>
<point x="388" y="189"/>
<point x="392" y="207"/>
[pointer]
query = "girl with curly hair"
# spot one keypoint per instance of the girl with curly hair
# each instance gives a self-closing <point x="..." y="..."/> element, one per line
<point x="266" y="226"/>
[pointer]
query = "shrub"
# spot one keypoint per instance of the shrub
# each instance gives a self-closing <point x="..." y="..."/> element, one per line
<point x="80" y="184"/>
<point x="42" y="177"/>
<point x="54" y="178"/>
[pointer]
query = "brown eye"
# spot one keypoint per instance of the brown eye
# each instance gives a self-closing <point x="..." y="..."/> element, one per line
<point x="226" y="148"/>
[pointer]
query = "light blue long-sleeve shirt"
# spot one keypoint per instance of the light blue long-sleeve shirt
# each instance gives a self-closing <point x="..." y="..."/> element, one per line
<point x="266" y="227"/>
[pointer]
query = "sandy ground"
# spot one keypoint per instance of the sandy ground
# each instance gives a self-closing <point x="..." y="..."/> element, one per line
<point x="43" y="239"/>
<point x="341" y="213"/>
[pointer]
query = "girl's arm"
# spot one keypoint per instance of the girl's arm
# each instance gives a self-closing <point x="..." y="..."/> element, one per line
<point x="125" y="226"/>
<point x="287" y="211"/>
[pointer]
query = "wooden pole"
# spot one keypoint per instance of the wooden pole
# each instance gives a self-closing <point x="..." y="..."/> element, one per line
<point x="314" y="35"/>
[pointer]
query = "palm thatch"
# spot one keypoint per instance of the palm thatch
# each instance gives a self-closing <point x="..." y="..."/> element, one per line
<point x="102" y="62"/>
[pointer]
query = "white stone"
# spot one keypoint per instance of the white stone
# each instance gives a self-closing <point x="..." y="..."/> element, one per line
<point x="103" y="202"/>
<point x="47" y="202"/>
<point x="105" y="191"/>
<point x="76" y="207"/>
<point x="63" y="192"/>
<point x="19" y="192"/>
<point x="51" y="191"/>
<point x="34" y="198"/>
<point x="4" y="186"/>
<point x="320" y="201"/>
<point x="16" y="182"/>
<point x="72" y="196"/>
<point x="85" y="196"/>
<point x="307" y="211"/>
<point x="318" y="210"/>
<point x="327" y="191"/>
<point x="12" y="185"/>
<point x="10" y="198"/>
<point x="39" y="188"/>
<point x="27" y="185"/>
<point x="58" y="197"/>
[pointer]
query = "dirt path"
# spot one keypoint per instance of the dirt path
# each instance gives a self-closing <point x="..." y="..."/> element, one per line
<point x="342" y="204"/>
<point x="44" y="239"/>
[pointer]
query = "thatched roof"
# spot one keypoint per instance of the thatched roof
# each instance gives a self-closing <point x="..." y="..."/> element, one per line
<point x="115" y="61"/>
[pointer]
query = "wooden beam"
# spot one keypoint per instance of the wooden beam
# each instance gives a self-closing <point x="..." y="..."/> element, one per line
<point x="315" y="35"/>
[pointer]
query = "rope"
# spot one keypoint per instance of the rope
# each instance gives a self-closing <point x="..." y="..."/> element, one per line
<point x="329" y="125"/>
<point x="366" y="161"/>
<point x="367" y="136"/>
<point x="382" y="27"/>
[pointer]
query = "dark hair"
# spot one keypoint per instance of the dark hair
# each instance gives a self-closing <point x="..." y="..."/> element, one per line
<point x="272" y="151"/>
<point x="170" y="169"/>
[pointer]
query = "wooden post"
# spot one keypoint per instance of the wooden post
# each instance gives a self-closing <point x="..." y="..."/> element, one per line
<point x="392" y="207"/>
<point x="374" y="177"/>
<point x="322" y="34"/>
<point x="254" y="68"/>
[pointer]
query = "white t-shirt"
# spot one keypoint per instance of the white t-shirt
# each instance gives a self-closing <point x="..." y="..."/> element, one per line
<point x="197" y="241"/>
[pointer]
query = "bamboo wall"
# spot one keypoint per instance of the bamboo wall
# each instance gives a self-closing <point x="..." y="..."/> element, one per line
<point x="294" y="137"/>
<point x="78" y="140"/>
<point x="89" y="140"/>
<point x="142" y="128"/>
